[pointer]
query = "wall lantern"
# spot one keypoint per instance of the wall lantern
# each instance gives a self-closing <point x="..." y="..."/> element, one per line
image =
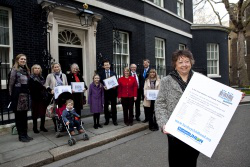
<point x="85" y="16"/>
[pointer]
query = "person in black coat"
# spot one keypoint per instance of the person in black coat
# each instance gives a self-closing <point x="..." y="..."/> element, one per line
<point x="109" y="95"/>
<point x="39" y="97"/>
<point x="142" y="77"/>
<point x="75" y="76"/>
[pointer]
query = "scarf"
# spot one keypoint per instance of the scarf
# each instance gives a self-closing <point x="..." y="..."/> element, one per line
<point x="59" y="81"/>
<point x="76" y="77"/>
<point x="38" y="78"/>
<point x="174" y="74"/>
<point x="152" y="83"/>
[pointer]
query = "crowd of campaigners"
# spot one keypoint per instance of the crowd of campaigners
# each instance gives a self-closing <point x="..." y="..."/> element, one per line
<point x="131" y="90"/>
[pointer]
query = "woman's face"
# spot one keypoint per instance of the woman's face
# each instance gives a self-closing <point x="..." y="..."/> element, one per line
<point x="183" y="65"/>
<point x="22" y="61"/>
<point x="74" y="69"/>
<point x="96" y="79"/>
<point x="126" y="73"/>
<point x="37" y="70"/>
<point x="56" y="68"/>
<point x="152" y="74"/>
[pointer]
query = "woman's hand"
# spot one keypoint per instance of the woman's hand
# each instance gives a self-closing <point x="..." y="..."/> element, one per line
<point x="105" y="87"/>
<point x="163" y="130"/>
<point x="52" y="92"/>
<point x="243" y="95"/>
<point x="67" y="123"/>
<point x="119" y="99"/>
<point x="135" y="98"/>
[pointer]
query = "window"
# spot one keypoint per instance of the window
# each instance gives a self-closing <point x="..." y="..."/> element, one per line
<point x="68" y="37"/>
<point x="182" y="47"/>
<point x="157" y="2"/>
<point x="180" y="8"/>
<point x="212" y="59"/>
<point x="160" y="56"/>
<point x="120" y="50"/>
<point x="5" y="42"/>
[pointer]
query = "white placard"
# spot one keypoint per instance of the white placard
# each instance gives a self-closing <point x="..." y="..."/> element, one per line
<point x="110" y="82"/>
<point x="152" y="94"/>
<point x="203" y="113"/>
<point x="60" y="89"/>
<point x="78" y="87"/>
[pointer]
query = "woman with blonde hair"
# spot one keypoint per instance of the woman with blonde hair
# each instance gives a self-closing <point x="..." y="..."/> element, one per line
<point x="54" y="79"/>
<point x="151" y="83"/>
<point x="39" y="97"/>
<point x="127" y="94"/>
<point x="19" y="93"/>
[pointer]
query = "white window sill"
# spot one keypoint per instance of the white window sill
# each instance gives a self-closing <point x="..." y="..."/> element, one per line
<point x="214" y="76"/>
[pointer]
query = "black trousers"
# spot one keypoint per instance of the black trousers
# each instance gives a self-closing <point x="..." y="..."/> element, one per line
<point x="127" y="105"/>
<point x="137" y="105"/>
<point x="110" y="99"/>
<point x="150" y="111"/>
<point x="180" y="154"/>
<point x="21" y="122"/>
<point x="141" y="95"/>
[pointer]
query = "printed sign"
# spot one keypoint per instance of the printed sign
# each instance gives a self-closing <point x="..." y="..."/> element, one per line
<point x="152" y="94"/>
<point x="110" y="82"/>
<point x="77" y="87"/>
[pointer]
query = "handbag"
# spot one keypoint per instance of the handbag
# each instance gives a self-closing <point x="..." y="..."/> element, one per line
<point x="50" y="110"/>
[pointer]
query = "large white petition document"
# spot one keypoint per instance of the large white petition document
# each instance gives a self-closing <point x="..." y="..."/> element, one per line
<point x="203" y="113"/>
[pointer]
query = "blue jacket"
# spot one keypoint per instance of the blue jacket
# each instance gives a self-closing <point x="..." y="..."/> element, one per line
<point x="69" y="115"/>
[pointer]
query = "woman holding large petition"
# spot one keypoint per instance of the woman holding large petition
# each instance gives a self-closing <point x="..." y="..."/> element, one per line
<point x="75" y="76"/>
<point x="171" y="90"/>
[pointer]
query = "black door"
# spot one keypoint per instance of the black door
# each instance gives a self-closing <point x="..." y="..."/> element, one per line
<point x="68" y="56"/>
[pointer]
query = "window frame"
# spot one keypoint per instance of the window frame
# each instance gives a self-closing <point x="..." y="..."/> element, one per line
<point x="116" y="52"/>
<point x="10" y="45"/>
<point x="182" y="9"/>
<point x="161" y="58"/>
<point x="155" y="2"/>
<point x="218" y="60"/>
<point x="182" y="45"/>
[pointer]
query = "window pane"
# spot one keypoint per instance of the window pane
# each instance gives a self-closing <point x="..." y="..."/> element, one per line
<point x="4" y="27"/>
<point x="5" y="65"/>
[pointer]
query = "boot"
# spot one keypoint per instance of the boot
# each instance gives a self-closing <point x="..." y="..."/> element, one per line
<point x="35" y="126"/>
<point x="23" y="139"/>
<point x="42" y="128"/>
<point x="95" y="120"/>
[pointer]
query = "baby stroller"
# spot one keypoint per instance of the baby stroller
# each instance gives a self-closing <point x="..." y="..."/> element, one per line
<point x="60" y="124"/>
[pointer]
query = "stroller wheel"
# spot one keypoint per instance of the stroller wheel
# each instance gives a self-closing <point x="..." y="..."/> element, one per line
<point x="85" y="137"/>
<point x="58" y="134"/>
<point x="70" y="142"/>
<point x="74" y="140"/>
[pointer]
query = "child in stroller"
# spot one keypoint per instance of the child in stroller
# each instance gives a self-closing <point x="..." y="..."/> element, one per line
<point x="67" y="118"/>
<point x="71" y="118"/>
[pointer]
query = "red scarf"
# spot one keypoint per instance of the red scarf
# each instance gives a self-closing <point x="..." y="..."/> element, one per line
<point x="76" y="77"/>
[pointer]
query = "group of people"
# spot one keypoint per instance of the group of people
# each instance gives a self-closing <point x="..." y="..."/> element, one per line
<point x="131" y="90"/>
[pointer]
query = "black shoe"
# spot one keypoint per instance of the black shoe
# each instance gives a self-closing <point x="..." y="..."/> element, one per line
<point x="29" y="138"/>
<point x="43" y="129"/>
<point x="99" y="126"/>
<point x="95" y="126"/>
<point x="145" y="121"/>
<point x="106" y="123"/>
<point x="138" y="119"/>
<point x="131" y="124"/>
<point x="35" y="131"/>
<point x="115" y="123"/>
<point x="23" y="139"/>
<point x="127" y="124"/>
<point x="153" y="129"/>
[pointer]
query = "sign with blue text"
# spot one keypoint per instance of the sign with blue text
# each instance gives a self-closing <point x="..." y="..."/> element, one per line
<point x="203" y="113"/>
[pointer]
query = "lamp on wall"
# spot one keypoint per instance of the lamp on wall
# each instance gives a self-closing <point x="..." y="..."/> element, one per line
<point x="85" y="16"/>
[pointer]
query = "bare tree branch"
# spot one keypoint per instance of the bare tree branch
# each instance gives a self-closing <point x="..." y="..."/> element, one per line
<point x="231" y="13"/>
<point x="244" y="6"/>
<point x="215" y="12"/>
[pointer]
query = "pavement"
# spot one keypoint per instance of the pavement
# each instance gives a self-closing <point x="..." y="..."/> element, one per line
<point x="46" y="148"/>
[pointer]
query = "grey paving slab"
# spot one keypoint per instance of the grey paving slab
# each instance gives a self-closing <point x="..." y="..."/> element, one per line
<point x="26" y="151"/>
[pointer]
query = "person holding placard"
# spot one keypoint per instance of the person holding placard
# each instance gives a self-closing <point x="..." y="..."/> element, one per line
<point x="110" y="95"/>
<point x="54" y="79"/>
<point x="127" y="94"/>
<point x="151" y="83"/>
<point x="171" y="90"/>
<point x="75" y="76"/>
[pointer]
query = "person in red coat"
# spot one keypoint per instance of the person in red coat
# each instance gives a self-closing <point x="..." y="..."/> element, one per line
<point x="127" y="94"/>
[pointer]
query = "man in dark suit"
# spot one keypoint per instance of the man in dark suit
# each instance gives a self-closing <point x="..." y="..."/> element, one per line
<point x="133" y="68"/>
<point x="142" y="77"/>
<point x="109" y="95"/>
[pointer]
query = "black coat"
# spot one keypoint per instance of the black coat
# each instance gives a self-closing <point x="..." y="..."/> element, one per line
<point x="111" y="92"/>
<point x="142" y="79"/>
